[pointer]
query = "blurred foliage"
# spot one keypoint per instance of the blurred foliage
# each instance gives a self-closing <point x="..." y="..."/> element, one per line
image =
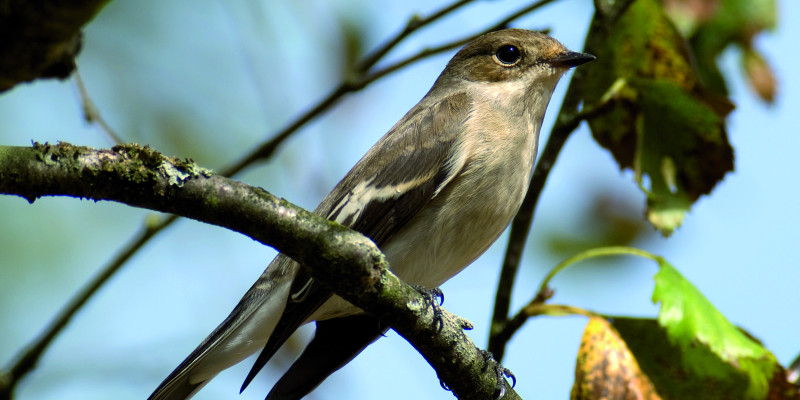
<point x="712" y="26"/>
<point x="610" y="220"/>
<point x="353" y="34"/>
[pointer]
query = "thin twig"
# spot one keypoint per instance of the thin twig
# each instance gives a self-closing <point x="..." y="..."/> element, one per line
<point x="558" y="310"/>
<point x="537" y="305"/>
<point x="536" y="308"/>
<point x="414" y="24"/>
<point x="361" y="78"/>
<point x="356" y="81"/>
<point x="522" y="11"/>
<point x="268" y="148"/>
<point x="425" y="53"/>
<point x="567" y="121"/>
<point x="90" y="111"/>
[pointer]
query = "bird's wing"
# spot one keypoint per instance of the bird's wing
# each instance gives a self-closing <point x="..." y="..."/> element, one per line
<point x="407" y="168"/>
<point x="386" y="189"/>
<point x="395" y="179"/>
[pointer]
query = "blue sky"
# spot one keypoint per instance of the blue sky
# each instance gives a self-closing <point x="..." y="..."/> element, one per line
<point x="210" y="79"/>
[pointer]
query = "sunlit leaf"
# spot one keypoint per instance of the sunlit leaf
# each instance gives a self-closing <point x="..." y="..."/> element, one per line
<point x="675" y="376"/>
<point x="709" y="344"/>
<point x="682" y="148"/>
<point x="659" y="120"/>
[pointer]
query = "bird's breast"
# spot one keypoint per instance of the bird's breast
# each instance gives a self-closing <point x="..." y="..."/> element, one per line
<point x="468" y="215"/>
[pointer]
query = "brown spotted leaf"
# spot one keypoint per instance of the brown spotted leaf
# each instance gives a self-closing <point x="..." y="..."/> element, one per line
<point x="606" y="369"/>
<point x="659" y="120"/>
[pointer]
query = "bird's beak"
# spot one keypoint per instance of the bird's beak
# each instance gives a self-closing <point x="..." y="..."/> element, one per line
<point x="570" y="59"/>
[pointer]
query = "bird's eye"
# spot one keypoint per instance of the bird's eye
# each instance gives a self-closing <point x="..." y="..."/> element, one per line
<point x="508" y="54"/>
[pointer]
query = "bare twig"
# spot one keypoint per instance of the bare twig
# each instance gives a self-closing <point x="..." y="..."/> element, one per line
<point x="414" y="24"/>
<point x="537" y="305"/>
<point x="557" y="310"/>
<point x="361" y="77"/>
<point x="567" y="121"/>
<point x="519" y="13"/>
<point x="90" y="111"/>
<point x="355" y="82"/>
<point x="424" y="53"/>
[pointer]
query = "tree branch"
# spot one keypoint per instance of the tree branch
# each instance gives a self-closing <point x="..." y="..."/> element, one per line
<point x="413" y="24"/>
<point x="348" y="262"/>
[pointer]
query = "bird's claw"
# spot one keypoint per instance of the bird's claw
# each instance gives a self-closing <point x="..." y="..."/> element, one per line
<point x="434" y="298"/>
<point x="501" y="372"/>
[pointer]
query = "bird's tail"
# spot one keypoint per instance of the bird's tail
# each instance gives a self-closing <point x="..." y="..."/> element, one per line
<point x="243" y="332"/>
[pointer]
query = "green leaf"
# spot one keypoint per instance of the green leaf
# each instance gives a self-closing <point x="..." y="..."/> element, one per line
<point x="682" y="149"/>
<point x="705" y="336"/>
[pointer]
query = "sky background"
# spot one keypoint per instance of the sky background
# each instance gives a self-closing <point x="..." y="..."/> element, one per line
<point x="211" y="79"/>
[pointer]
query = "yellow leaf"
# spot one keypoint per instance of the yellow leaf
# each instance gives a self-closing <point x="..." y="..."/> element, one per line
<point x="606" y="369"/>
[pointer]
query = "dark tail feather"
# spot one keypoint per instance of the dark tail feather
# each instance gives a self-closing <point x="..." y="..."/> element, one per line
<point x="294" y="314"/>
<point x="335" y="343"/>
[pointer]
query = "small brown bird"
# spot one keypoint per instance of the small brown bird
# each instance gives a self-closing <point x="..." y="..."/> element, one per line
<point x="434" y="193"/>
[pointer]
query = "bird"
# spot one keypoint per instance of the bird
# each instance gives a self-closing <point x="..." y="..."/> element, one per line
<point x="433" y="193"/>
